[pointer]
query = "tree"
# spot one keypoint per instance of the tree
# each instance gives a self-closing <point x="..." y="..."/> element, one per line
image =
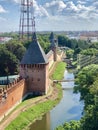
<point x="90" y="119"/>
<point x="8" y="62"/>
<point x="16" y="47"/>
<point x="72" y="125"/>
<point x="94" y="45"/>
<point x="63" y="40"/>
<point x="70" y="53"/>
<point x="90" y="51"/>
<point x="44" y="42"/>
<point x="85" y="78"/>
<point x="83" y="44"/>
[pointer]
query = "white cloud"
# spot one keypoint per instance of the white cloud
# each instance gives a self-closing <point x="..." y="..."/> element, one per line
<point x="55" y="7"/>
<point x="81" y="2"/>
<point x="78" y="10"/>
<point x="2" y="19"/>
<point x="62" y="14"/>
<point x="2" y="10"/>
<point x="95" y="4"/>
<point x="39" y="10"/>
<point x="17" y="1"/>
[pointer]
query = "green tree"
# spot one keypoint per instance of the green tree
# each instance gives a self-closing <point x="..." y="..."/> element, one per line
<point x="44" y="42"/>
<point x="69" y="53"/>
<point x="72" y="125"/>
<point x="90" y="51"/>
<point x="63" y="40"/>
<point x="83" y="44"/>
<point x="94" y="45"/>
<point x="90" y="119"/>
<point x="85" y="78"/>
<point x="8" y="62"/>
<point x="16" y="47"/>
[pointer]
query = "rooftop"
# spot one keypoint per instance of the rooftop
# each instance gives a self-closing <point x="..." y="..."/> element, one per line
<point x="35" y="53"/>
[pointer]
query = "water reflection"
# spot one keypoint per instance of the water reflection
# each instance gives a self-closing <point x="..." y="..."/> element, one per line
<point x="43" y="124"/>
<point x="68" y="109"/>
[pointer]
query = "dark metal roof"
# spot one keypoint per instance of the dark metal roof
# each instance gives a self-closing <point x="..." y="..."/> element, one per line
<point x="35" y="53"/>
<point x="53" y="41"/>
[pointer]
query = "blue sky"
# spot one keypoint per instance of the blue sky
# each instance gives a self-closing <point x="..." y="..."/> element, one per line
<point x="52" y="15"/>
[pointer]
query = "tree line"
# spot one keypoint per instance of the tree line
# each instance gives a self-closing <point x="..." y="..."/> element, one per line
<point x="87" y="84"/>
<point x="15" y="49"/>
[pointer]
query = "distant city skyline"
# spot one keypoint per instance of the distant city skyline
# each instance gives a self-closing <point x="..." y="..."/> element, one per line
<point x="52" y="15"/>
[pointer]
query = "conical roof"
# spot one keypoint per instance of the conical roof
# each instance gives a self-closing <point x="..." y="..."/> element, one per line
<point x="52" y="40"/>
<point x="35" y="53"/>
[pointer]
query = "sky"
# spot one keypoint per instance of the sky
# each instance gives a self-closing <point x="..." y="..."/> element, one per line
<point x="52" y="15"/>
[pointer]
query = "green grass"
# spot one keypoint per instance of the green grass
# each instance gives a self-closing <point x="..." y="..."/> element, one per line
<point x="34" y="113"/>
<point x="59" y="71"/>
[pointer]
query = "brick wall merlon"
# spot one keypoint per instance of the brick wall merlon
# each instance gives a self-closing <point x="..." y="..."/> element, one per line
<point x="12" y="85"/>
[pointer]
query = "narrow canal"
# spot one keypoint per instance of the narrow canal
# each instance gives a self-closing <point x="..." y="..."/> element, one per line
<point x="69" y="108"/>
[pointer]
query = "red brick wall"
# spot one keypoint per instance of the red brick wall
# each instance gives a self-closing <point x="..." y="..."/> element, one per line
<point x="47" y="84"/>
<point x="14" y="95"/>
<point x="50" y="58"/>
<point x="37" y="79"/>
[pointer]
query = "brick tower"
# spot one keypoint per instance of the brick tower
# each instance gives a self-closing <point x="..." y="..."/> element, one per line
<point x="34" y="67"/>
<point x="53" y="45"/>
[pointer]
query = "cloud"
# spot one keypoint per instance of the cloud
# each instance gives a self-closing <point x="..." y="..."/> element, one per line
<point x="81" y="2"/>
<point x="63" y="14"/>
<point x="2" y="10"/>
<point x="95" y="4"/>
<point x="2" y="19"/>
<point x="17" y="1"/>
<point x="81" y="9"/>
<point x="71" y="9"/>
<point x="55" y="7"/>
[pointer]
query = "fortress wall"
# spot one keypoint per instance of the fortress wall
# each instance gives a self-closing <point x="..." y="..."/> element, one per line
<point x="11" y="96"/>
<point x="59" y="56"/>
<point x="50" y="57"/>
<point x="47" y="84"/>
<point x="37" y="78"/>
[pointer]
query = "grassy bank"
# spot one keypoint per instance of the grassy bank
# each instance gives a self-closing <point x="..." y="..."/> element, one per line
<point x="59" y="71"/>
<point x="35" y="112"/>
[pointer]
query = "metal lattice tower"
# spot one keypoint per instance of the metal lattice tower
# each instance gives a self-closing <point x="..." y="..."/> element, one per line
<point x="27" y="19"/>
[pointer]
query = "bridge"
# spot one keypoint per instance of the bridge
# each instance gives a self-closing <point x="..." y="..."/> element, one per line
<point x="64" y="80"/>
<point x="66" y="88"/>
<point x="64" y="47"/>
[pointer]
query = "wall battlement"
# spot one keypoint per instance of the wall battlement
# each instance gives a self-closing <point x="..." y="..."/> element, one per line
<point x="6" y="90"/>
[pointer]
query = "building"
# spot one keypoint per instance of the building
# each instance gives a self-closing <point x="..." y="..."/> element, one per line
<point x="34" y="68"/>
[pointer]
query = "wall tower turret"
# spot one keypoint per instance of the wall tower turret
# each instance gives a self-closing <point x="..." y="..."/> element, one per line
<point x="34" y="67"/>
<point x="53" y="45"/>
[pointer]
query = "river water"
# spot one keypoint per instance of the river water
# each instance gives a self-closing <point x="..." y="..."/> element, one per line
<point x="69" y="108"/>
